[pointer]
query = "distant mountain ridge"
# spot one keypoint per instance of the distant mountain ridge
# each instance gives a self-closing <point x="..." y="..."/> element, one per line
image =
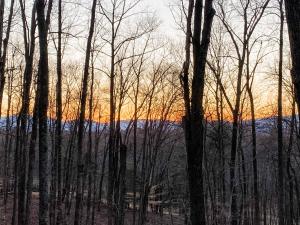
<point x="68" y="125"/>
<point x="263" y="125"/>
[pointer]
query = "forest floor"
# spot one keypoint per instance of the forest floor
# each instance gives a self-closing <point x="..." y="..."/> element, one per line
<point x="100" y="217"/>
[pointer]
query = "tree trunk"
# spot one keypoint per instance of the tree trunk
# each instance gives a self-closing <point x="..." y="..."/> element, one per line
<point x="31" y="164"/>
<point x="279" y="125"/>
<point x="58" y="127"/>
<point x="90" y="164"/>
<point x="83" y="99"/>
<point x="122" y="174"/>
<point x="254" y="145"/>
<point x="194" y="113"/>
<point x="292" y="8"/>
<point x="102" y="177"/>
<point x="43" y="86"/>
<point x="290" y="206"/>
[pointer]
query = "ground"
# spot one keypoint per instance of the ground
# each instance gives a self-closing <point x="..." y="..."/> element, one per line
<point x="100" y="217"/>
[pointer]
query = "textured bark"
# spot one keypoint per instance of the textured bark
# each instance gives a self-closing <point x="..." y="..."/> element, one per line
<point x="58" y="127"/>
<point x="43" y="87"/>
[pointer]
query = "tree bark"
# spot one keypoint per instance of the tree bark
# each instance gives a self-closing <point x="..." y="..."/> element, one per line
<point x="31" y="164"/>
<point x="292" y="8"/>
<point x="194" y="113"/>
<point x="254" y="145"/>
<point x="43" y="87"/>
<point x="83" y="100"/>
<point x="58" y="127"/>
<point x="122" y="174"/>
<point x="4" y="45"/>
<point x="279" y="125"/>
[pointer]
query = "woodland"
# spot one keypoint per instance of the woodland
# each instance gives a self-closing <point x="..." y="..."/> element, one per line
<point x="139" y="112"/>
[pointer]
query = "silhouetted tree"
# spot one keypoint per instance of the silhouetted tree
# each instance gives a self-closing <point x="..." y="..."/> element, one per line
<point x="193" y="98"/>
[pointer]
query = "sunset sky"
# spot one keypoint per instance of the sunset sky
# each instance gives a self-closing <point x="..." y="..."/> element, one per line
<point x="264" y="86"/>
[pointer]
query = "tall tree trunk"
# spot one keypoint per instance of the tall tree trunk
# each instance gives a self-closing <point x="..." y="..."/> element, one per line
<point x="111" y="141"/>
<point x="21" y="142"/>
<point x="135" y="147"/>
<point x="31" y="163"/>
<point x="90" y="163"/>
<point x="58" y="127"/>
<point x="279" y="125"/>
<point x="234" y="140"/>
<point x="7" y="139"/>
<point x="4" y="44"/>
<point x="2" y="64"/>
<point x="43" y="87"/>
<point x="290" y="206"/>
<point x="254" y="145"/>
<point x="83" y="99"/>
<point x="194" y="112"/>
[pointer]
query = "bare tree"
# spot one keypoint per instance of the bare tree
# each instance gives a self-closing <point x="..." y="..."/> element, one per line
<point x="58" y="127"/>
<point x="279" y="123"/>
<point x="83" y="100"/>
<point x="21" y="149"/>
<point x="43" y="91"/>
<point x="4" y="44"/>
<point x="250" y="23"/>
<point x="194" y="113"/>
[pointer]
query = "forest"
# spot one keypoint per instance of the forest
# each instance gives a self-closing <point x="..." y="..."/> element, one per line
<point x="149" y="112"/>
